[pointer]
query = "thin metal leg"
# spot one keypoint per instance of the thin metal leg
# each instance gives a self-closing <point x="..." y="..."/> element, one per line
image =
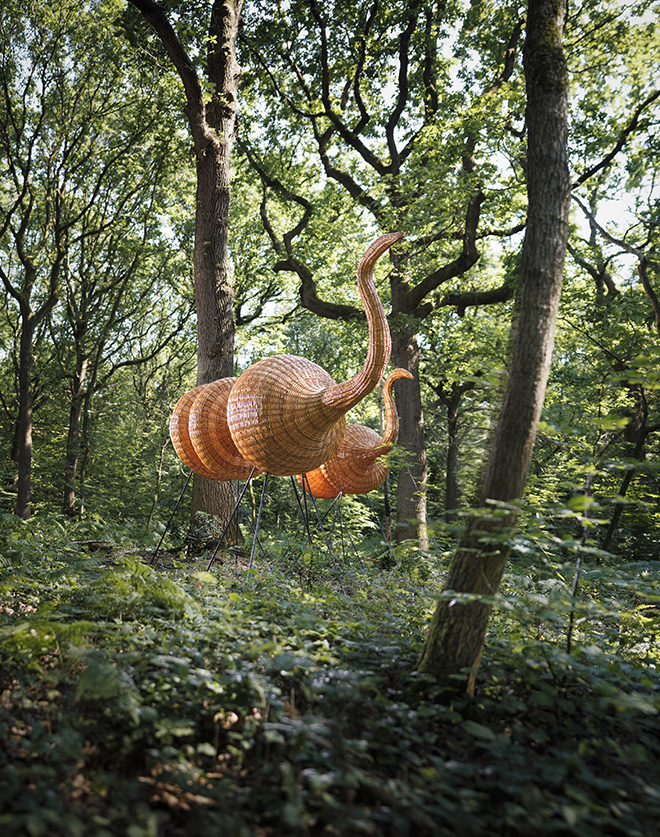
<point x="228" y="524"/>
<point x="337" y="506"/>
<point x="332" y="505"/>
<point x="256" y="528"/>
<point x="339" y="514"/>
<point x="252" y="528"/>
<point x="318" y="516"/>
<point x="303" y="511"/>
<point x="169" y="522"/>
<point x="389" y="545"/>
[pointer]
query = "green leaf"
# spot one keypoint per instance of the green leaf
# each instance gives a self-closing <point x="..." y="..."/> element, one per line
<point x="479" y="730"/>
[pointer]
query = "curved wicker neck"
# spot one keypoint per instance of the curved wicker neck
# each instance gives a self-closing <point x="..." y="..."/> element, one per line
<point x="349" y="393"/>
<point x="391" y="415"/>
<point x="391" y="418"/>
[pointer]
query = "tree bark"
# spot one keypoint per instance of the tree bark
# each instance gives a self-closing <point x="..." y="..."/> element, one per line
<point x="73" y="438"/>
<point x="455" y="639"/>
<point x="213" y="129"/>
<point x="411" y="487"/>
<point x="450" y="396"/>
<point x="30" y="319"/>
<point x="22" y="452"/>
<point x="635" y="434"/>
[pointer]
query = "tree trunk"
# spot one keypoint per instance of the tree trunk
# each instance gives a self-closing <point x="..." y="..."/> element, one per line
<point x="411" y="491"/>
<point x="455" y="639"/>
<point x="451" y="478"/>
<point x="214" y="293"/>
<point x="159" y="478"/>
<point x="84" y="450"/>
<point x="213" y="129"/>
<point x="635" y="433"/>
<point x="73" y="440"/>
<point x="450" y="396"/>
<point x="22" y="452"/>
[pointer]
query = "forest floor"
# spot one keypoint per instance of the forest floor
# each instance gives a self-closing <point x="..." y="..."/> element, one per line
<point x="169" y="700"/>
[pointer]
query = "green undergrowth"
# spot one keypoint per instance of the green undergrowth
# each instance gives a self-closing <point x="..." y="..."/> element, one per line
<point x="169" y="700"/>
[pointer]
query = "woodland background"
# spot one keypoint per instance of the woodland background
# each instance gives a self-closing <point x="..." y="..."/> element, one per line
<point x="269" y="725"/>
<point x="98" y="209"/>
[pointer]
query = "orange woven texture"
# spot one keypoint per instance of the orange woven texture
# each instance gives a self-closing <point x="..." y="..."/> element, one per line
<point x="286" y="414"/>
<point x="180" y="435"/>
<point x="209" y="433"/>
<point x="379" y="348"/>
<point x="319" y="485"/>
<point x="277" y="418"/>
<point x="357" y="468"/>
<point x="391" y="417"/>
<point x="360" y="464"/>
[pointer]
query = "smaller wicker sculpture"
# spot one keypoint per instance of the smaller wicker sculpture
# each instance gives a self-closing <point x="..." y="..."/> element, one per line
<point x="286" y="414"/>
<point x="210" y="436"/>
<point x="359" y="465"/>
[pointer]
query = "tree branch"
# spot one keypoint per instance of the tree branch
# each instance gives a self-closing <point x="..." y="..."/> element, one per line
<point x="642" y="267"/>
<point x="402" y="97"/>
<point x="460" y="265"/>
<point x="623" y="137"/>
<point x="309" y="297"/>
<point x="195" y="108"/>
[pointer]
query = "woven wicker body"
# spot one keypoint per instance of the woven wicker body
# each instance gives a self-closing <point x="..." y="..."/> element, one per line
<point x="180" y="435"/>
<point x="210" y="436"/>
<point x="286" y="414"/>
<point x="360" y="464"/>
<point x="278" y="415"/>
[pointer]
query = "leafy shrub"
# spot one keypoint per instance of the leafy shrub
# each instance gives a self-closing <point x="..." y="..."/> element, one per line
<point x="284" y="700"/>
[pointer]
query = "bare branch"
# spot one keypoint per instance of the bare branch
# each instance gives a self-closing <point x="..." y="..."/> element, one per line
<point x="642" y="267"/>
<point x="460" y="265"/>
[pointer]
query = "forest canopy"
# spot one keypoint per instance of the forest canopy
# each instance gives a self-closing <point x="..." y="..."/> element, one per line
<point x="342" y="131"/>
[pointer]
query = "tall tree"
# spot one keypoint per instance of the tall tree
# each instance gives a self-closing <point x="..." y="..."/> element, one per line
<point x="457" y="629"/>
<point x="212" y="126"/>
<point x="366" y="89"/>
<point x="76" y="160"/>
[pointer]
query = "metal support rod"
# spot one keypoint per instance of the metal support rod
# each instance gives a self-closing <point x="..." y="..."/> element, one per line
<point x="169" y="522"/>
<point x="303" y="511"/>
<point x="337" y="504"/>
<point x="342" y="528"/>
<point x="396" y="563"/>
<point x="231" y="517"/>
<point x="318" y="516"/>
<point x="256" y="528"/>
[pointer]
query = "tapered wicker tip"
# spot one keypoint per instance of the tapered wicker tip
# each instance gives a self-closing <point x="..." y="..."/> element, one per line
<point x="209" y="432"/>
<point x="360" y="465"/>
<point x="180" y="434"/>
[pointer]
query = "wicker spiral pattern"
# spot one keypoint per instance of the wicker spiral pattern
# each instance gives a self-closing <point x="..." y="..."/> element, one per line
<point x="286" y="414"/>
<point x="180" y="435"/>
<point x="359" y="465"/>
<point x="210" y="436"/>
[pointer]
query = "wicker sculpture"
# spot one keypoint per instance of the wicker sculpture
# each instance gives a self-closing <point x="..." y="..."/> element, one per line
<point x="210" y="436"/>
<point x="286" y="414"/>
<point x="201" y="438"/>
<point x="180" y="434"/>
<point x="359" y="465"/>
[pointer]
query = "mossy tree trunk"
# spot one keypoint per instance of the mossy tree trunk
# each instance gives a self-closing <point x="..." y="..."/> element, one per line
<point x="455" y="639"/>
